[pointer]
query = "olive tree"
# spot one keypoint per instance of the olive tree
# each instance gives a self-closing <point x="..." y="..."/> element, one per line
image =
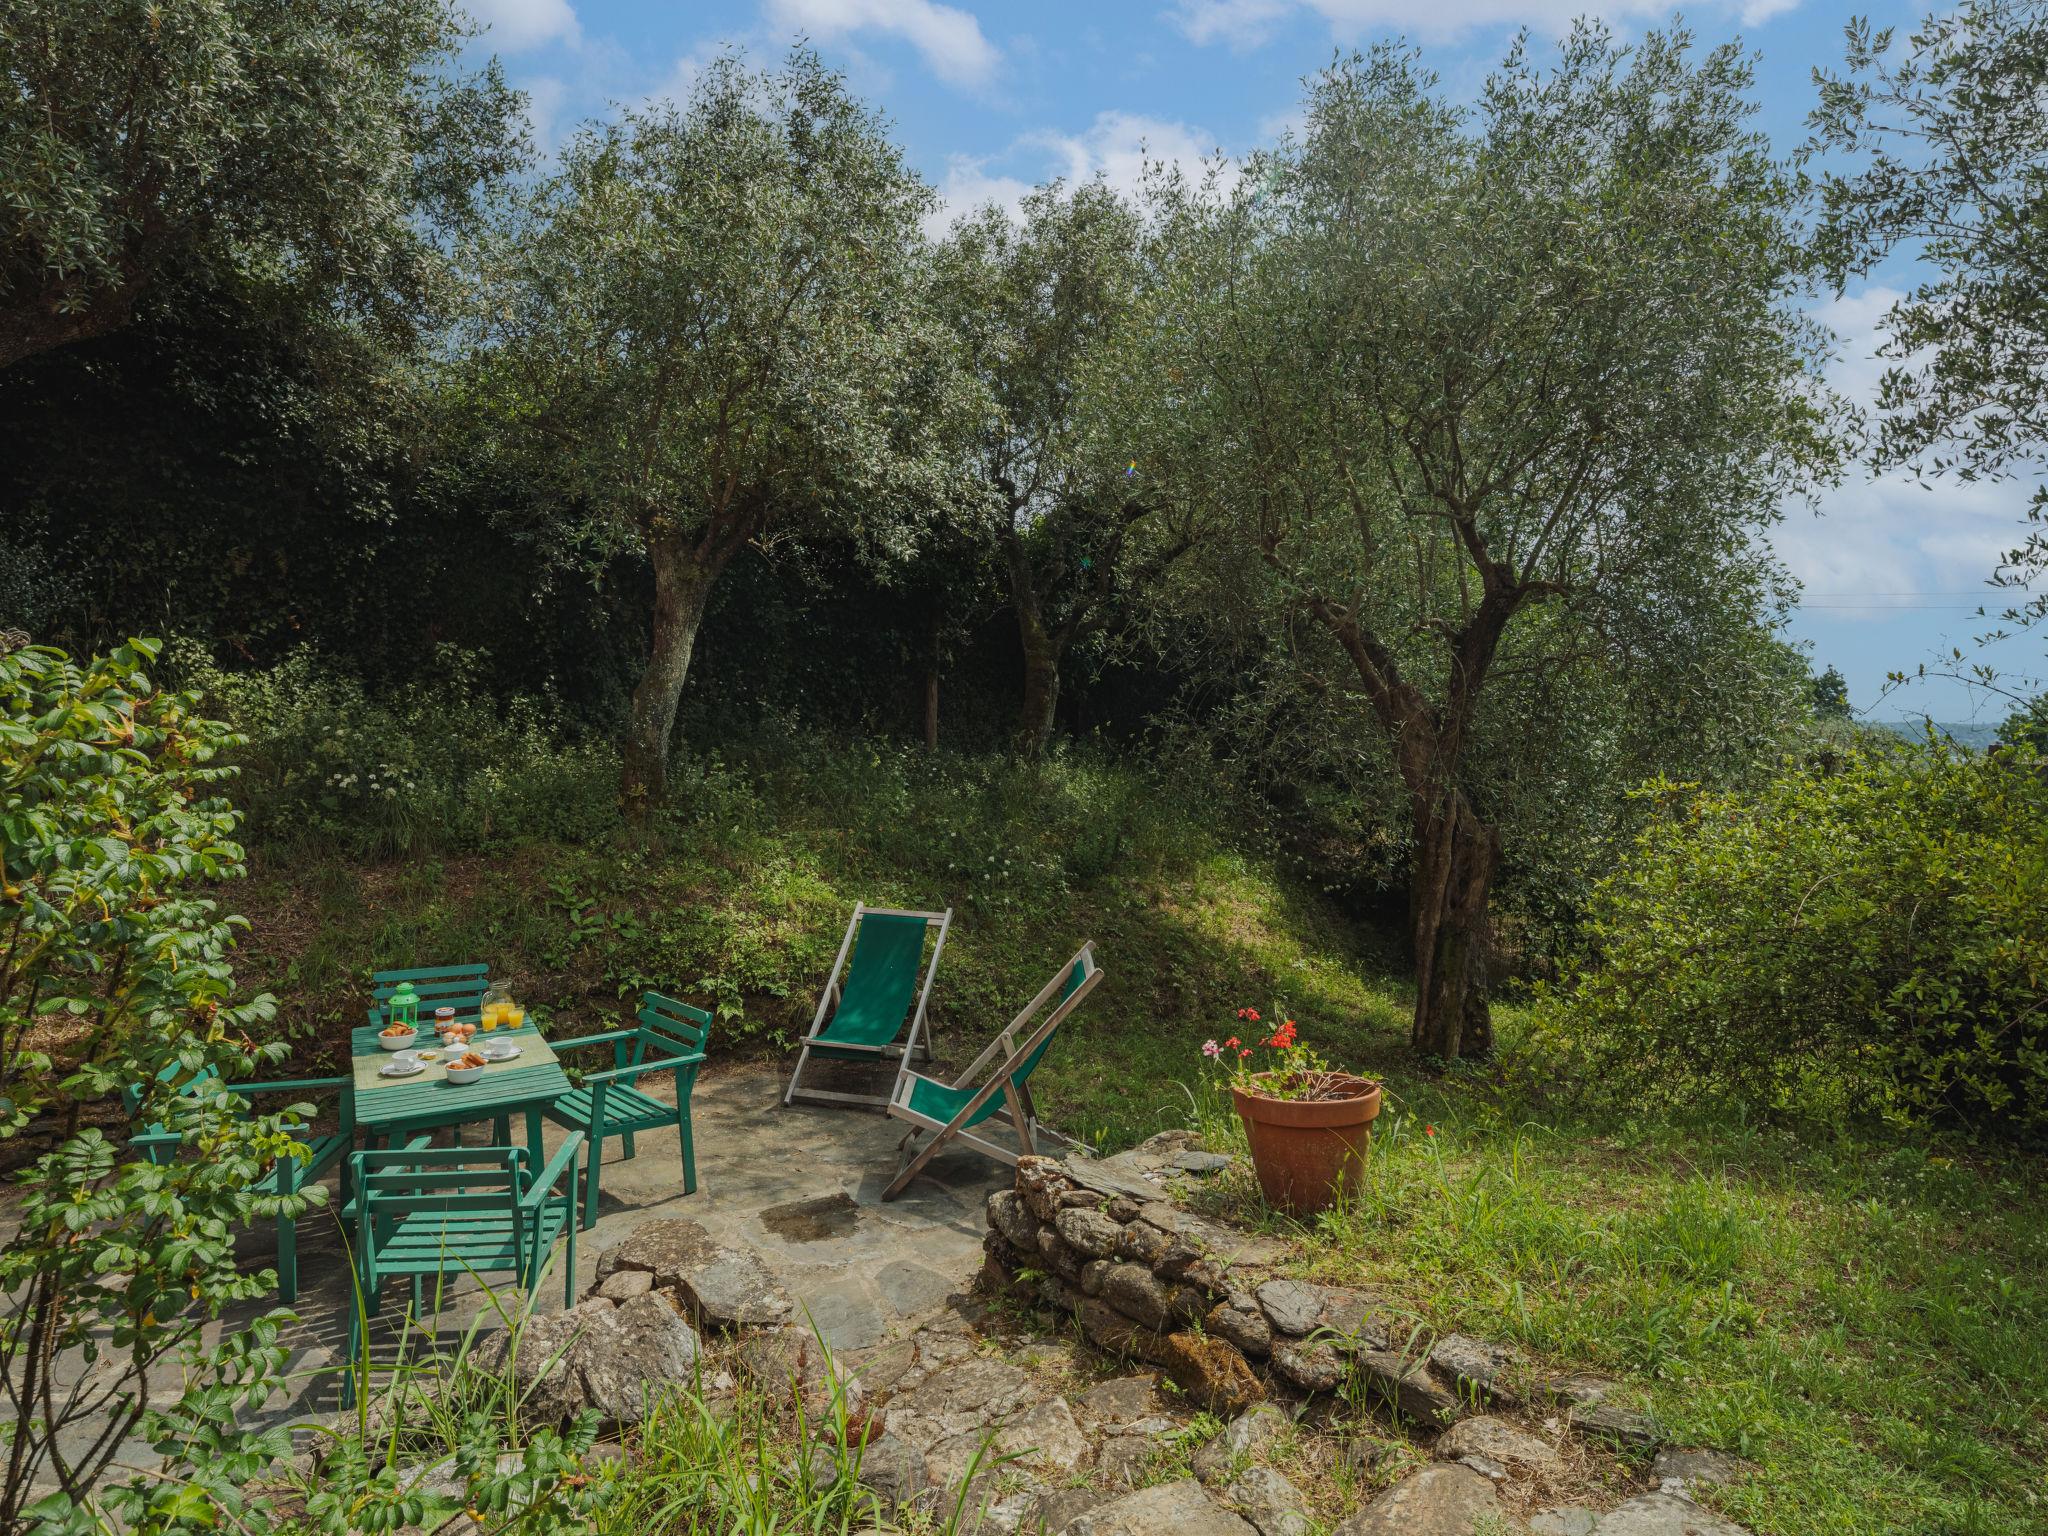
<point x="1485" y="394"/>
<point x="305" y="151"/>
<point x="1040" y="304"/>
<point x="707" y="329"/>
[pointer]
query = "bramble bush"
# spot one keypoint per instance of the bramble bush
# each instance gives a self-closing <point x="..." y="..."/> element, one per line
<point x="1867" y="942"/>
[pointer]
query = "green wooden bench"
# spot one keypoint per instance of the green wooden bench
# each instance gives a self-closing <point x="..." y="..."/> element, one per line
<point x="289" y="1176"/>
<point x="670" y="1038"/>
<point x="422" y="1210"/>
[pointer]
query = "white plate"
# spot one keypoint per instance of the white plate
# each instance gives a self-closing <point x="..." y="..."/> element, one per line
<point x="393" y="1069"/>
<point x="499" y="1055"/>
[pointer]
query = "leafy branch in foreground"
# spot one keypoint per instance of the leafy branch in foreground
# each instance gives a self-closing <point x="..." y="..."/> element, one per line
<point x="114" y="977"/>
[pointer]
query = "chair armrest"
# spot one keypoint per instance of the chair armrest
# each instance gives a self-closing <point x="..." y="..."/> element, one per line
<point x="544" y="1183"/>
<point x="583" y="1040"/>
<point x="628" y="1074"/>
<point x="304" y="1082"/>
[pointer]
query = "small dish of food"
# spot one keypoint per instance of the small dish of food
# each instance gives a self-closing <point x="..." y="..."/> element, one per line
<point x="396" y="1037"/>
<point x="466" y="1068"/>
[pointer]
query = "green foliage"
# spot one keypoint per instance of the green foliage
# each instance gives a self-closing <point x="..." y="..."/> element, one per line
<point x="2027" y="726"/>
<point x="421" y="767"/>
<point x="114" y="974"/>
<point x="1868" y="941"/>
<point x="303" y="150"/>
<point x="1861" y="1320"/>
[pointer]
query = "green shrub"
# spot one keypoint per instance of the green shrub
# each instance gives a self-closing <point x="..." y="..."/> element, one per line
<point x="1841" y="944"/>
<point x="115" y="974"/>
<point x="427" y="766"/>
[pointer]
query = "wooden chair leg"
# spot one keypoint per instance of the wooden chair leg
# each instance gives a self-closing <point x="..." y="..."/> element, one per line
<point x="915" y="1166"/>
<point x="287" y="1260"/>
<point x="353" y="1360"/>
<point x="593" y="1155"/>
<point x="689" y="1151"/>
<point x="569" y="1269"/>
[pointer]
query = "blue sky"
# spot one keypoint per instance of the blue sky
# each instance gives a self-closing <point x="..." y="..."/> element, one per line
<point x="988" y="99"/>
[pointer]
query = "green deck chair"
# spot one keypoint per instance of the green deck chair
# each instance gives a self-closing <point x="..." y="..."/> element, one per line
<point x="421" y="1210"/>
<point x="289" y="1175"/>
<point x="997" y="1085"/>
<point x="867" y="1011"/>
<point x="460" y="987"/>
<point x="670" y="1038"/>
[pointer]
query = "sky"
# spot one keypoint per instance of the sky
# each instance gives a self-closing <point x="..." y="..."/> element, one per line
<point x="989" y="99"/>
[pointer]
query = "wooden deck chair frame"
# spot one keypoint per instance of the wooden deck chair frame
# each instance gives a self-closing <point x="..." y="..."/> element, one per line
<point x="918" y="1039"/>
<point x="1019" y="1113"/>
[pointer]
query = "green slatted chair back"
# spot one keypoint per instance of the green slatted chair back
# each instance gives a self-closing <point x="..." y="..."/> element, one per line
<point x="454" y="1189"/>
<point x="665" y="1021"/>
<point x="460" y="987"/>
<point x="881" y="980"/>
<point x="132" y="1094"/>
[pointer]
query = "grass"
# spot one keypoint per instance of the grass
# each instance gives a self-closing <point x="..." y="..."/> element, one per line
<point x="1865" y="1321"/>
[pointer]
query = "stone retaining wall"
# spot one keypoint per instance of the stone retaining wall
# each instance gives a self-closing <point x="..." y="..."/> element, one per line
<point x="1209" y="1306"/>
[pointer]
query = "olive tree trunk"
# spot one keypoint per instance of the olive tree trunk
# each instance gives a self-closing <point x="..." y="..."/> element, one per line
<point x="683" y="579"/>
<point x="1456" y="855"/>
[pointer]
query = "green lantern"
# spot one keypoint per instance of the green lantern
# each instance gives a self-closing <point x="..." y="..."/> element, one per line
<point x="403" y="1006"/>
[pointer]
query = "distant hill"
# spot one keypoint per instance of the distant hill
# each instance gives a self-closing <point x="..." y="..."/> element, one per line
<point x="1974" y="734"/>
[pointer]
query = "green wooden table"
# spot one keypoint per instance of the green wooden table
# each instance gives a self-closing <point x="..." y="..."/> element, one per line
<point x="389" y="1107"/>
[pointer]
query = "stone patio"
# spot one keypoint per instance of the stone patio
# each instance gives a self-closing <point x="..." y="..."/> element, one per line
<point x="800" y="1186"/>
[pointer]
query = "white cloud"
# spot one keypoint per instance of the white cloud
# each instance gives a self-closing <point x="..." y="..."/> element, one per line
<point x="1248" y="23"/>
<point x="513" y="26"/>
<point x="1240" y="23"/>
<point x="950" y="40"/>
<point x="545" y="97"/>
<point x="1889" y="544"/>
<point x="1118" y="146"/>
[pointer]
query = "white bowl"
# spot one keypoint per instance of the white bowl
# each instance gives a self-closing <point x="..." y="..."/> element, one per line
<point x="398" y="1042"/>
<point x="464" y="1074"/>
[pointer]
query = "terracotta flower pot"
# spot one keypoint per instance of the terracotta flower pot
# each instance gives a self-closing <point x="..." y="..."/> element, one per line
<point x="1306" y="1150"/>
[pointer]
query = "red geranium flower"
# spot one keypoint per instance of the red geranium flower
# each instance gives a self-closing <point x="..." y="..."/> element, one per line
<point x="1429" y="1130"/>
<point x="1233" y="1042"/>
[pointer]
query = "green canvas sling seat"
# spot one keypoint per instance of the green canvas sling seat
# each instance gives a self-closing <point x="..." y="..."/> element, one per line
<point x="288" y="1175"/>
<point x="420" y="1211"/>
<point x="863" y="1017"/>
<point x="669" y="1038"/>
<point x="997" y="1085"/>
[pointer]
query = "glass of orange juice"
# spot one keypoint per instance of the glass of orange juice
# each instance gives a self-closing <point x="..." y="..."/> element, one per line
<point x="514" y="1015"/>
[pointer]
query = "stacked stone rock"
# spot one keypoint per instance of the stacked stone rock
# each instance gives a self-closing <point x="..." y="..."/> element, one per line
<point x="1149" y="1281"/>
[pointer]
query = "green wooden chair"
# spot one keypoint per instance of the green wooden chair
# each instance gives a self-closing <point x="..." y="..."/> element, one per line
<point x="289" y="1175"/>
<point x="996" y="1085"/>
<point x="422" y="1210"/>
<point x="669" y="1038"/>
<point x="862" y="1018"/>
<point x="460" y="987"/>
